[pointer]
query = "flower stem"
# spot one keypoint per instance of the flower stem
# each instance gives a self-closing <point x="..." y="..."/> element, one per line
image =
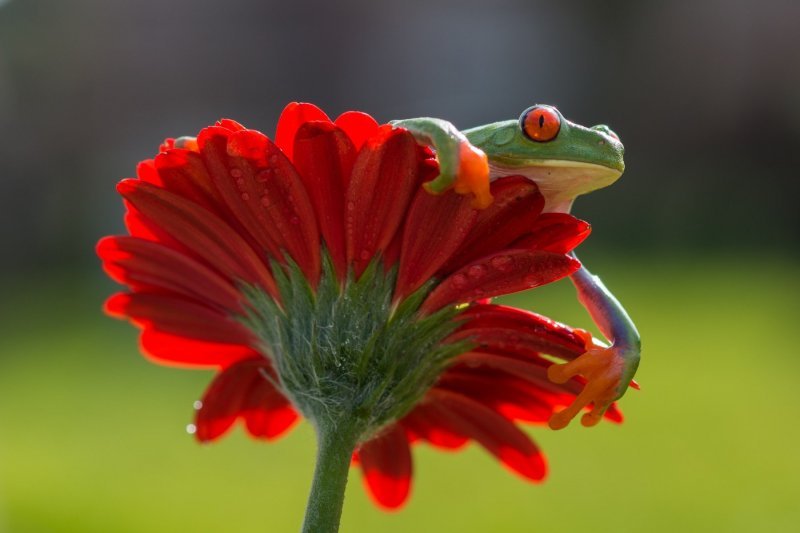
<point x="335" y="447"/>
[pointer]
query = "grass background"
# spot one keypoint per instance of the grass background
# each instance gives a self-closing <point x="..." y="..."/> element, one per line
<point x="92" y="436"/>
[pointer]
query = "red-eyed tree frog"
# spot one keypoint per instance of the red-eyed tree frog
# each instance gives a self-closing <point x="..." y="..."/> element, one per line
<point x="565" y="160"/>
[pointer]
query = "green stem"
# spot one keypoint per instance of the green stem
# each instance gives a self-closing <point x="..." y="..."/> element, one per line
<point x="335" y="447"/>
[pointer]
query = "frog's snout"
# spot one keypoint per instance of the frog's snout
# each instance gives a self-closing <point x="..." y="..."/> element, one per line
<point x="602" y="128"/>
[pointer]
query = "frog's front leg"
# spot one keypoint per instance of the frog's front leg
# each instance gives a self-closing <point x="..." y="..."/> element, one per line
<point x="461" y="165"/>
<point x="607" y="369"/>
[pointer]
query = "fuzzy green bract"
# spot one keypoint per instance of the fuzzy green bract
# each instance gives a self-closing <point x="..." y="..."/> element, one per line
<point x="346" y="352"/>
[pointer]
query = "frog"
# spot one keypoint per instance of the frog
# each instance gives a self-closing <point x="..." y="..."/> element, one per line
<point x="565" y="160"/>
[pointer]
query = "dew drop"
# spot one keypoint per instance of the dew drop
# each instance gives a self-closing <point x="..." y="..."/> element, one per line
<point x="265" y="201"/>
<point x="245" y="196"/>
<point x="503" y="263"/>
<point x="365" y="254"/>
<point x="236" y="173"/>
<point x="197" y="405"/>
<point x="191" y="429"/>
<point x="531" y="279"/>
<point x="240" y="182"/>
<point x="295" y="220"/>
<point x="273" y="159"/>
<point x="477" y="271"/>
<point x="460" y="281"/>
<point x="264" y="175"/>
<point x="351" y="206"/>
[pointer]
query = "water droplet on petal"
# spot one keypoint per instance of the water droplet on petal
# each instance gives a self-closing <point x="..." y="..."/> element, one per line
<point x="265" y="201"/>
<point x="264" y="175"/>
<point x="236" y="173"/>
<point x="460" y="281"/>
<point x="365" y="254"/>
<point x="245" y="196"/>
<point x="295" y="220"/>
<point x="531" y="279"/>
<point x="240" y="182"/>
<point x="477" y="271"/>
<point x="197" y="405"/>
<point x="273" y="159"/>
<point x="351" y="206"/>
<point x="503" y="263"/>
<point x="191" y="429"/>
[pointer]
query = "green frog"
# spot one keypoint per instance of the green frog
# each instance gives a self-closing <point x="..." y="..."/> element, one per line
<point x="565" y="160"/>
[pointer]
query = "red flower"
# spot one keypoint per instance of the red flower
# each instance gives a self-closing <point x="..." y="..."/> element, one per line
<point x="240" y="250"/>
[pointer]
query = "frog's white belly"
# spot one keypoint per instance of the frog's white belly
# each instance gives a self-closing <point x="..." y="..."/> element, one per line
<point x="560" y="181"/>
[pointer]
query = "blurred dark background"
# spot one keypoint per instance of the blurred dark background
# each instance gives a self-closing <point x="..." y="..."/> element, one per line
<point x="703" y="94"/>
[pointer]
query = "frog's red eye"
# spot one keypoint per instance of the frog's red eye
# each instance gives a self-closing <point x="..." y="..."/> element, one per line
<point x="540" y="123"/>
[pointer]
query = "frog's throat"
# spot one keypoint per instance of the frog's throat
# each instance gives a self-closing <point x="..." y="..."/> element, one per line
<point x="559" y="181"/>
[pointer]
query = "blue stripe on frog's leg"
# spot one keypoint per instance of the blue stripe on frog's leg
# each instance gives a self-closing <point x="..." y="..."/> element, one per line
<point x="607" y="369"/>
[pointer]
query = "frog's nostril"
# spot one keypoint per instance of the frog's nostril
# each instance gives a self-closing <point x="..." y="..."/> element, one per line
<point x="608" y="131"/>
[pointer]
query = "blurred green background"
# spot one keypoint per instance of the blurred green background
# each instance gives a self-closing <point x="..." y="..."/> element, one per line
<point x="699" y="240"/>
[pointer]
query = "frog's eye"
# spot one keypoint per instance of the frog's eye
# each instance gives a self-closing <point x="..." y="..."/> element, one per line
<point x="540" y="123"/>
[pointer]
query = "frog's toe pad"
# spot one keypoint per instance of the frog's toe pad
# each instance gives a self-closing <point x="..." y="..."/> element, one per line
<point x="473" y="175"/>
<point x="603" y="369"/>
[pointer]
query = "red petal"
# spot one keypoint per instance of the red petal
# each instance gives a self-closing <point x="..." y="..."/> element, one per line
<point x="526" y="330"/>
<point x="385" y="175"/>
<point x="324" y="157"/>
<point x="206" y="235"/>
<point x="146" y="171"/>
<point x="293" y="116"/>
<point x="146" y="264"/>
<point x="358" y="126"/>
<point x="178" y="316"/>
<point x="516" y="207"/>
<point x="264" y="192"/>
<point x="555" y="232"/>
<point x="386" y="463"/>
<point x="172" y="350"/>
<point x="507" y="395"/>
<point x="435" y="228"/>
<point x="184" y="173"/>
<point x="239" y="390"/>
<point x="501" y="273"/>
<point x="497" y="434"/>
<point x="527" y="367"/>
<point x="428" y="421"/>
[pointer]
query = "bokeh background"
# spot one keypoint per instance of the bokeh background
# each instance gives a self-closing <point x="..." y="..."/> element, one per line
<point x="699" y="240"/>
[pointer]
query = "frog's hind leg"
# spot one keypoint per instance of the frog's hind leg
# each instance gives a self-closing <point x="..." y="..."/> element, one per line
<point x="608" y="369"/>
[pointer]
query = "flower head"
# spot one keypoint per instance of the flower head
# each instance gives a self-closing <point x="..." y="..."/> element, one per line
<point x="319" y="278"/>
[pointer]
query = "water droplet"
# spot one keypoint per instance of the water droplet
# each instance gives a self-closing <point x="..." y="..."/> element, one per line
<point x="503" y="263"/>
<point x="273" y="159"/>
<point x="245" y="196"/>
<point x="197" y="405"/>
<point x="531" y="279"/>
<point x="365" y="254"/>
<point x="191" y="429"/>
<point x="295" y="220"/>
<point x="240" y="182"/>
<point x="460" y="281"/>
<point x="264" y="175"/>
<point x="236" y="173"/>
<point x="265" y="201"/>
<point x="351" y="206"/>
<point x="477" y="271"/>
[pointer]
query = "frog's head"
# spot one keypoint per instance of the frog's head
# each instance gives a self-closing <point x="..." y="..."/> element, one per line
<point x="564" y="159"/>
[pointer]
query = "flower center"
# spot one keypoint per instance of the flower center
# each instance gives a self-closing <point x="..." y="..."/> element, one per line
<point x="343" y="352"/>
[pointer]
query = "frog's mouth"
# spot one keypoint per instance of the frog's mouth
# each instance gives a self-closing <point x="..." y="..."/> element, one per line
<point x="560" y="181"/>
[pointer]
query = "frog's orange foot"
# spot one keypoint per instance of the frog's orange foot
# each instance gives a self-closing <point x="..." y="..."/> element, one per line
<point x="473" y="175"/>
<point x="603" y="369"/>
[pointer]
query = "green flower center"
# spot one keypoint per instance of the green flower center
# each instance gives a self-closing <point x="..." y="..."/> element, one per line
<point x="344" y="352"/>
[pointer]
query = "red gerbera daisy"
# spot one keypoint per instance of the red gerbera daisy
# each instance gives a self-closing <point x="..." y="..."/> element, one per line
<point x="318" y="277"/>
